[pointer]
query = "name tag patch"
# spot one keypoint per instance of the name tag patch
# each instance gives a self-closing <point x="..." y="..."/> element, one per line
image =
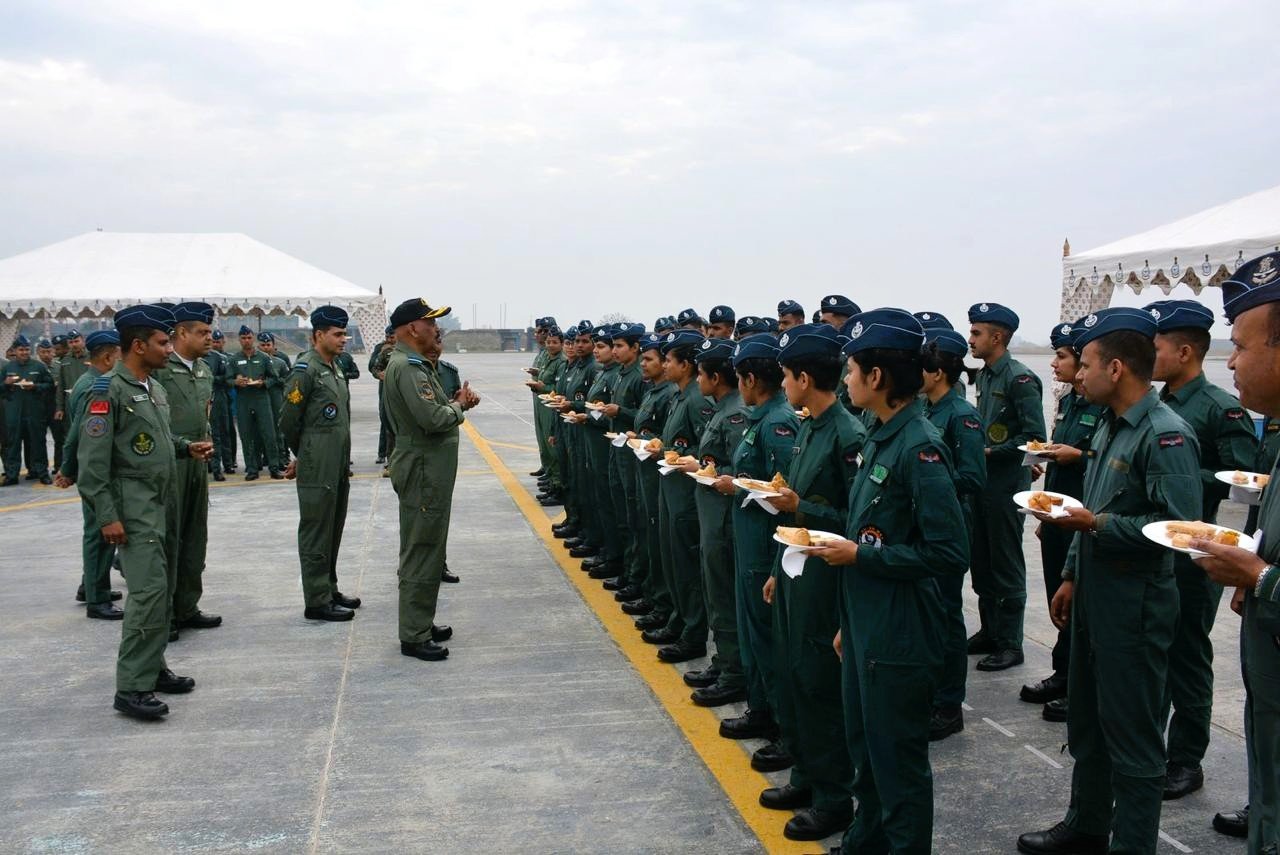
<point x="878" y="474"/>
<point x="138" y="399"/>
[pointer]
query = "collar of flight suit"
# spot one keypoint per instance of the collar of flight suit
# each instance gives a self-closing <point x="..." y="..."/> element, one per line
<point x="887" y="430"/>
<point x="1188" y="389"/>
<point x="1135" y="414"/>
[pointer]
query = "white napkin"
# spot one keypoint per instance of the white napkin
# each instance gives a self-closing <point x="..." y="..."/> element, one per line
<point x="1243" y="496"/>
<point x="793" y="559"/>
<point x="642" y="454"/>
<point x="1029" y="460"/>
<point x="620" y="440"/>
<point x="762" y="499"/>
<point x="664" y="469"/>
<point x="596" y="414"/>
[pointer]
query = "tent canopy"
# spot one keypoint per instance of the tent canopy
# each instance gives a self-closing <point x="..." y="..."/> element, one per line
<point x="95" y="273"/>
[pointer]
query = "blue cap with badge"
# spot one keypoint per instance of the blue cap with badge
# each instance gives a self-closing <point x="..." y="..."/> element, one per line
<point x="771" y="325"/>
<point x="265" y="337"/>
<point x="689" y="316"/>
<point x="44" y="342"/>
<point x="1115" y="319"/>
<point x="892" y="329"/>
<point x="1065" y="335"/>
<point x="723" y="315"/>
<point x="193" y="311"/>
<point x="328" y="317"/>
<point x="555" y="331"/>
<point x="147" y="316"/>
<point x="761" y="346"/>
<point x="628" y="332"/>
<point x="245" y="330"/>
<point x="681" y="338"/>
<point x="59" y="339"/>
<point x="790" y="307"/>
<point x="1180" y="315"/>
<point x="714" y="348"/>
<point x="838" y="304"/>
<point x="993" y="313"/>
<point x="664" y="324"/>
<point x="933" y="321"/>
<point x="73" y="333"/>
<point x="218" y="336"/>
<point x="604" y="333"/>
<point x="947" y="341"/>
<point x="652" y="341"/>
<point x="750" y="325"/>
<point x="21" y="341"/>
<point x="1255" y="282"/>
<point x="809" y="340"/>
<point x="100" y="338"/>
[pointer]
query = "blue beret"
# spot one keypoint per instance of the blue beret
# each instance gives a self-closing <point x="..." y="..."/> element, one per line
<point x="947" y="341"/>
<point x="554" y="330"/>
<point x="722" y="315"/>
<point x="193" y="311"/>
<point x="895" y="329"/>
<point x="762" y="346"/>
<point x="771" y="325"/>
<point x="681" y="338"/>
<point x="1180" y="315"/>
<point x="539" y="323"/>
<point x="73" y="333"/>
<point x="840" y="305"/>
<point x="688" y="316"/>
<point x="570" y="333"/>
<point x="549" y="321"/>
<point x="1115" y="319"/>
<point x="750" y="325"/>
<point x="21" y="341"/>
<point x="629" y="332"/>
<point x="217" y="335"/>
<point x="652" y="341"/>
<point x="604" y="333"/>
<point x="790" y="307"/>
<point x="933" y="321"/>
<point x="245" y="330"/>
<point x="98" y="338"/>
<point x="59" y="339"/>
<point x="147" y="316"/>
<point x="807" y="340"/>
<point x="265" y="337"/>
<point x="663" y="324"/>
<point x="714" y="348"/>
<point x="1255" y="282"/>
<point x="585" y="327"/>
<point x="44" y="342"/>
<point x="327" y="317"/>
<point x="416" y="309"/>
<point x="1065" y="335"/>
<point x="993" y="313"/>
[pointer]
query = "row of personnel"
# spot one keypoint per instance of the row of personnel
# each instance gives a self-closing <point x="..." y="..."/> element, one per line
<point x="855" y="662"/>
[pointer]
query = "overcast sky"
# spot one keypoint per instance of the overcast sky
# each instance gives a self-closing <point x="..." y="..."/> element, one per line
<point x="583" y="158"/>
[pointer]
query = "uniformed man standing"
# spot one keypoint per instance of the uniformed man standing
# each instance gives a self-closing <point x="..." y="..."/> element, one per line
<point x="539" y="422"/>
<point x="1119" y="594"/>
<point x="67" y="369"/>
<point x="607" y="563"/>
<point x="424" y="466"/>
<point x="188" y="384"/>
<point x="1227" y="441"/>
<point x="252" y="371"/>
<point x="26" y="382"/>
<point x="1009" y="400"/>
<point x="721" y="322"/>
<point x="552" y="367"/>
<point x="126" y="456"/>
<point x="49" y="355"/>
<point x="790" y="314"/>
<point x="275" y="391"/>
<point x="377" y="367"/>
<point x="221" y="418"/>
<point x="316" y="423"/>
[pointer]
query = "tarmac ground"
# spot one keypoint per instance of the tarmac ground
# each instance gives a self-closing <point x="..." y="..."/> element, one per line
<point x="550" y="728"/>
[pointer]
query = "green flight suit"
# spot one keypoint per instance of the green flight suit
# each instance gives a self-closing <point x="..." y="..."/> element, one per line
<point x="545" y="419"/>
<point x="253" y="410"/>
<point x="66" y="371"/>
<point x="26" y="419"/>
<point x="650" y="419"/>
<point x="1074" y="424"/>
<point x="377" y="365"/>
<point x="96" y="554"/>
<point x="720" y="439"/>
<point x="626" y="393"/>
<point x="1260" y="664"/>
<point x="127" y="472"/>
<point x="806" y="612"/>
<point x="560" y="431"/>
<point x="767" y="448"/>
<point x="275" y="391"/>
<point x="961" y="429"/>
<point x="316" y="423"/>
<point x="567" y="440"/>
<point x="190" y="394"/>
<point x="1268" y="451"/>
<point x="540" y="422"/>
<point x="1143" y="467"/>
<point x="579" y="381"/>
<point x="905" y="514"/>
<point x="678" y="518"/>
<point x="1227" y="441"/>
<point x="1009" y="401"/>
<point x="598" y="452"/>
<point x="220" y="420"/>
<point x="424" y="467"/>
<point x="54" y="427"/>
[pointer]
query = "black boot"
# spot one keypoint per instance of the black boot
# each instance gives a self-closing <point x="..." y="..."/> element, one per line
<point x="1049" y="689"/>
<point x="143" y="705"/>
<point x="1232" y="823"/>
<point x="1061" y="840"/>
<point x="816" y="823"/>
<point x="1181" y="781"/>
<point x="751" y="725"/>
<point x="945" y="721"/>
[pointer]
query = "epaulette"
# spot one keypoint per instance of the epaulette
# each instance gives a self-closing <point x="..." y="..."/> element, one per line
<point x="414" y="360"/>
<point x="299" y="366"/>
<point x="448" y="365"/>
<point x="101" y="383"/>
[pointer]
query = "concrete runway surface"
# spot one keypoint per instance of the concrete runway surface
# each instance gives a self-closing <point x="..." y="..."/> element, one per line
<point x="551" y="727"/>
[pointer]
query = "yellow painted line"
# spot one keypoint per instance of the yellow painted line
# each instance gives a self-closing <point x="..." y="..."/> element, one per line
<point x="70" y="500"/>
<point x="725" y="759"/>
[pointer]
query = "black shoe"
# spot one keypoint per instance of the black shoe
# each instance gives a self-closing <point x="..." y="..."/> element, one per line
<point x="31" y="476"/>
<point x="251" y="476"/>
<point x="661" y="635"/>
<point x="637" y="607"/>
<point x="607" y="570"/>
<point x="1055" y="710"/>
<point x="626" y="593"/>
<point x="218" y="476"/>
<point x="1181" y="781"/>
<point x="944" y="722"/>
<point x="538" y="474"/>
<point x="751" y="725"/>
<point x="619" y="584"/>
<point x="46" y="480"/>
<point x="103" y="611"/>
<point x="329" y="611"/>
<point x="1049" y="689"/>
<point x="9" y="482"/>
<point x="681" y="652"/>
<point x="1061" y="840"/>
<point x="698" y="678"/>
<point x="816" y="823"/>
<point x="141" y="705"/>
<point x="653" y="620"/>
<point x="772" y="758"/>
<point x="80" y="593"/>
<point x="171" y="684"/>
<point x="173" y="633"/>
<point x="440" y="632"/>
<point x="427" y="651"/>
<point x="200" y="620"/>
<point x="980" y="643"/>
<point x="1000" y="660"/>
<point x="718" y="695"/>
<point x="346" y="602"/>
<point x="277" y="475"/>
<point x="450" y="577"/>
<point x="583" y="551"/>
<point x="230" y="470"/>
<point x="552" y="501"/>
<point x="572" y="541"/>
<point x="380" y="461"/>
<point x="786" y="797"/>
<point x="1232" y="823"/>
<point x="564" y="532"/>
<point x="593" y="561"/>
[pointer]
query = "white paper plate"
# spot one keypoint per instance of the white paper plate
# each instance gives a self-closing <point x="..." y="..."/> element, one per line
<point x="1155" y="532"/>
<point x="1039" y="453"/>
<point x="741" y="484"/>
<point x="1021" y="499"/>
<point x="1225" y="478"/>
<point x="610" y="434"/>
<point x="705" y="480"/>
<point x="812" y="531"/>
<point x="566" y="417"/>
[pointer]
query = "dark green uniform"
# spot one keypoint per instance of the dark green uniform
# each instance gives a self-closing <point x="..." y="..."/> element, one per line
<point x="961" y="429"/>
<point x="66" y="371"/>
<point x="1009" y="400"/>
<point x="627" y="505"/>
<point x="1074" y="424"/>
<point x="253" y="410"/>
<point x="190" y="394"/>
<point x="377" y="365"/>
<point x="547" y="421"/>
<point x="96" y="553"/>
<point x="561" y="430"/>
<point x="541" y="423"/>
<point x="316" y="423"/>
<point x="275" y="391"/>
<point x="220" y="420"/>
<point x="580" y="379"/>
<point x="127" y="472"/>
<point x="648" y="424"/>
<point x="1227" y="441"/>
<point x="905" y="514"/>
<point x="598" y="452"/>
<point x="766" y="449"/>
<point x="26" y="419"/>
<point x="1260" y="664"/>
<point x="806" y="613"/>
<point x="720" y="440"/>
<point x="424" y="467"/>
<point x="678" y="518"/>
<point x="1143" y="466"/>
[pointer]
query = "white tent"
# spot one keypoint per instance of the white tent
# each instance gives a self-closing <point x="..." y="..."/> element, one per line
<point x="92" y="275"/>
<point x="1197" y="251"/>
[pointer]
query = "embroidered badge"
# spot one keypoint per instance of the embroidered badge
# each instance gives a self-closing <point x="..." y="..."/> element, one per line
<point x="1173" y="441"/>
<point x="998" y="433"/>
<point x="878" y="474"/>
<point x="99" y="408"/>
<point x="295" y="395"/>
<point x="971" y="424"/>
<point x="856" y="332"/>
<point x="425" y="392"/>
<point x="1234" y="415"/>
<point x="785" y="430"/>
<point x="1023" y="378"/>
<point x="143" y="444"/>
<point x="1266" y="272"/>
<point x="95" y="426"/>
<point x="851" y="458"/>
<point x="871" y="536"/>
<point x="786" y="338"/>
<point x="330" y="411"/>
<point x="1091" y="321"/>
<point x="139" y="398"/>
<point x="930" y="457"/>
<point x="1088" y="419"/>
<point x="737" y="419"/>
<point x="832" y="301"/>
<point x="1065" y="329"/>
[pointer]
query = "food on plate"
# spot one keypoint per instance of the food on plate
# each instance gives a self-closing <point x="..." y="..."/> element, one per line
<point x="1261" y="480"/>
<point x="654" y="445"/>
<point x="1239" y="477"/>
<point x="708" y="471"/>
<point x="670" y="457"/>
<point x="1036" y="445"/>
<point x="1043" y="502"/>
<point x="778" y="482"/>
<point x="803" y="412"/>
<point x="795" y="536"/>
<point x="1181" y="534"/>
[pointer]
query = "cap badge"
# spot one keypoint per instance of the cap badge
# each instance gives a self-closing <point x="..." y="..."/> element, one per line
<point x="1155" y="313"/>
<point x="856" y="331"/>
<point x="925" y="316"/>
<point x="1065" y="329"/>
<point x="984" y="308"/>
<point x="832" y="301"/>
<point x="706" y="345"/>
<point x="671" y="336"/>
<point x="786" y="337"/>
<point x="1266" y="272"/>
<point x="1091" y="321"/>
<point x="737" y="349"/>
